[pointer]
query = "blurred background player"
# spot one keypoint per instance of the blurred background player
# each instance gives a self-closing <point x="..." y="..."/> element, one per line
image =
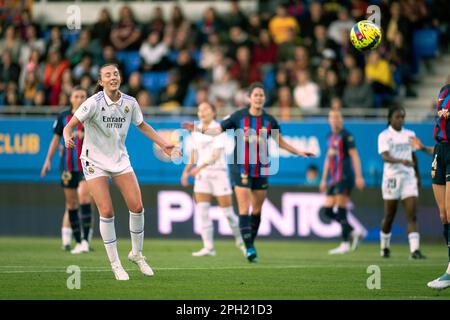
<point x="211" y="179"/>
<point x="440" y="174"/>
<point x="401" y="180"/>
<point x="250" y="168"/>
<point x="72" y="179"/>
<point x="343" y="167"/>
<point x="107" y="116"/>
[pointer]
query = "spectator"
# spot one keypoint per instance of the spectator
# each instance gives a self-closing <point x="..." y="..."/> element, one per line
<point x="332" y="88"/>
<point x="281" y="23"/>
<point x="187" y="69"/>
<point x="172" y="95"/>
<point x="11" y="43"/>
<point x="101" y="29"/>
<point x="312" y="176"/>
<point x="32" y="65"/>
<point x="243" y="70"/>
<point x="320" y="43"/>
<point x="144" y="99"/>
<point x="236" y="17"/>
<point x="30" y="88"/>
<point x="156" y="23"/>
<point x="12" y="96"/>
<point x="134" y="85"/>
<point x="286" y="50"/>
<point x="310" y="21"/>
<point x="224" y="90"/>
<point x="67" y="82"/>
<point x="265" y="50"/>
<point x="285" y="102"/>
<point x="238" y="38"/>
<point x="154" y="53"/>
<point x="52" y="76"/>
<point x="306" y="92"/>
<point x="39" y="98"/>
<point x="301" y="59"/>
<point x="209" y="23"/>
<point x="379" y="75"/>
<point x="56" y="43"/>
<point x="178" y="26"/>
<point x="201" y="95"/>
<point x="282" y="79"/>
<point x="33" y="42"/>
<point x="87" y="84"/>
<point x="357" y="93"/>
<point x="336" y="103"/>
<point x="209" y="51"/>
<point x="109" y="56"/>
<point x="337" y="27"/>
<point x="63" y="100"/>
<point x="254" y="27"/>
<point x="85" y="67"/>
<point x="125" y="35"/>
<point x="9" y="71"/>
<point x="399" y="57"/>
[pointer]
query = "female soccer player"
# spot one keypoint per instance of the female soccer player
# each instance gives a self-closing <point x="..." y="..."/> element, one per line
<point x="343" y="166"/>
<point x="251" y="166"/>
<point x="440" y="174"/>
<point x="107" y="116"/>
<point x="211" y="178"/>
<point x="72" y="180"/>
<point x="400" y="180"/>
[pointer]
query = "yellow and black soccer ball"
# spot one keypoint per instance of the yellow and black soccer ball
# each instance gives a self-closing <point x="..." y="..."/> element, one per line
<point x="365" y="35"/>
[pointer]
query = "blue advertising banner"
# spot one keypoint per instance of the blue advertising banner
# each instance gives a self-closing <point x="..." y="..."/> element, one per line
<point x="24" y="144"/>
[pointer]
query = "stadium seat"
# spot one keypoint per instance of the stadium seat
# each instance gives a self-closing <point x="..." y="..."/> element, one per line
<point x="189" y="99"/>
<point x="131" y="61"/>
<point x="153" y="81"/>
<point x="425" y="45"/>
<point x="269" y="80"/>
<point x="70" y="36"/>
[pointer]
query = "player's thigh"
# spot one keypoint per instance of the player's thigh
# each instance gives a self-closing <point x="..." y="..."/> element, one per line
<point x="439" y="196"/>
<point x="129" y="188"/>
<point x="220" y="185"/>
<point x="202" y="197"/>
<point x="225" y="201"/>
<point x="99" y="189"/>
<point x="71" y="198"/>
<point x="243" y="196"/>
<point x="258" y="197"/>
<point x="84" y="196"/>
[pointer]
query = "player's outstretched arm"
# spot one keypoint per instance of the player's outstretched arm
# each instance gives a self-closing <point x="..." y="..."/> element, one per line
<point x="68" y="132"/>
<point x="388" y="158"/>
<point x="150" y="133"/>
<point x="359" y="179"/>
<point x="418" y="145"/>
<point x="286" y="146"/>
<point x="50" y="153"/>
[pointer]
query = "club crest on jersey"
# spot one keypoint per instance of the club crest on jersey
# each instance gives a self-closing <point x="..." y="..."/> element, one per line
<point x="127" y="109"/>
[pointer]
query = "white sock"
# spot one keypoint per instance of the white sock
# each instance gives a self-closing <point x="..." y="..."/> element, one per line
<point x="207" y="233"/>
<point x="448" y="268"/>
<point x="233" y="220"/>
<point x="414" y="239"/>
<point x="108" y="233"/>
<point x="66" y="235"/>
<point x="137" y="231"/>
<point x="385" y="240"/>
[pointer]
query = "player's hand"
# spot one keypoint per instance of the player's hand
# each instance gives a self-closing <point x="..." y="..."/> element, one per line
<point x="417" y="144"/>
<point x="360" y="183"/>
<point x="195" y="171"/>
<point x="184" y="179"/>
<point x="307" y="154"/>
<point x="323" y="186"/>
<point x="68" y="142"/>
<point x="188" y="126"/>
<point x="46" y="167"/>
<point x="172" y="151"/>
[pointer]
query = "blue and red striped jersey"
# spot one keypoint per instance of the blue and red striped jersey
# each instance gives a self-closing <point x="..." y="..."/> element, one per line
<point x="340" y="163"/>
<point x="442" y="127"/>
<point x="70" y="159"/>
<point x="251" y="157"/>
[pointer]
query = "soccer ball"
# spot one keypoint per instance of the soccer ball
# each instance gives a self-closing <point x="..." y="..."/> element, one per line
<point x="365" y="35"/>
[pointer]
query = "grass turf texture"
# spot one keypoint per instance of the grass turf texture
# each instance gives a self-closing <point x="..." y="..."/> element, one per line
<point x="35" y="268"/>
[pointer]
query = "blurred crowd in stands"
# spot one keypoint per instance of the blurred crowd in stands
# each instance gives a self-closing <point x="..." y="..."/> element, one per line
<point x="300" y="51"/>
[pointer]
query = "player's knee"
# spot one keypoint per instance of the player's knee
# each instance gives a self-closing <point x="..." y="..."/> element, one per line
<point x="137" y="208"/>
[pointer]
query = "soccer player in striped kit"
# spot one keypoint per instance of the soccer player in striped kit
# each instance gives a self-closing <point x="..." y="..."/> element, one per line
<point x="251" y="166"/>
<point x="107" y="116"/>
<point x="72" y="179"/>
<point x="211" y="179"/>
<point x="440" y="174"/>
<point x="400" y="180"/>
<point x="343" y="167"/>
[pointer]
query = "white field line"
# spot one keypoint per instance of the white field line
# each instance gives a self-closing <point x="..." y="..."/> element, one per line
<point x="43" y="269"/>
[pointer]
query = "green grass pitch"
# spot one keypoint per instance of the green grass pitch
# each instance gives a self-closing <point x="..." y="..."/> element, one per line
<point x="35" y="268"/>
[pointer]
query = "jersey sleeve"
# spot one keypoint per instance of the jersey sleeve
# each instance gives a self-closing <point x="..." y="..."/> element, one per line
<point x="87" y="110"/>
<point x="350" y="141"/>
<point x="383" y="144"/>
<point x="137" y="118"/>
<point x="220" y="141"/>
<point x="230" y="122"/>
<point x="58" y="126"/>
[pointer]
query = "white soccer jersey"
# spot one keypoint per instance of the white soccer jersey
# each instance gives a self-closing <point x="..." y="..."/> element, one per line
<point x="399" y="145"/>
<point x="205" y="144"/>
<point x="106" y="125"/>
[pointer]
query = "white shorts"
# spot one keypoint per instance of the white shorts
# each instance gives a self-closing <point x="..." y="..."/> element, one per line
<point x="215" y="182"/>
<point x="399" y="187"/>
<point x="92" y="172"/>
